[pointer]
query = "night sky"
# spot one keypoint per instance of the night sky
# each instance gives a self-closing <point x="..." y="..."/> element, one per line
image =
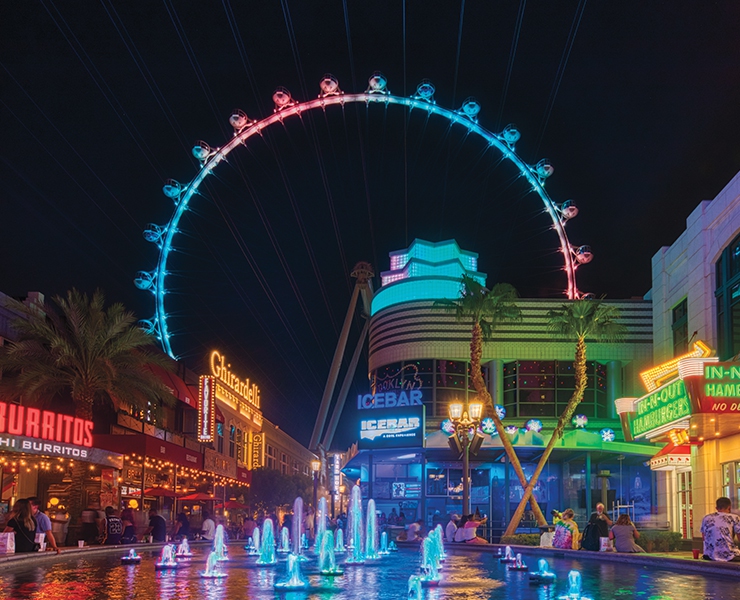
<point x="636" y="105"/>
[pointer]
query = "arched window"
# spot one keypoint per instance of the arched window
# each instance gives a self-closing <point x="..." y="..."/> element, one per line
<point x="727" y="295"/>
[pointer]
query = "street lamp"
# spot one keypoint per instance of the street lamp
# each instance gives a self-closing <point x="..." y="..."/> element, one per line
<point x="342" y="489"/>
<point x="315" y="467"/>
<point x="466" y="439"/>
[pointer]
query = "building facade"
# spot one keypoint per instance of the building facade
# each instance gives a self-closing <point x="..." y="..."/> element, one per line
<point x="419" y="350"/>
<point x="696" y="299"/>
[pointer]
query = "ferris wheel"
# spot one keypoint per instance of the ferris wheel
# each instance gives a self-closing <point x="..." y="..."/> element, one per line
<point x="155" y="281"/>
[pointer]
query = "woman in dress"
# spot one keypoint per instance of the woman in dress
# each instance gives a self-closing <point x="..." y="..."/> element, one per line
<point x="566" y="532"/>
<point x="624" y="533"/>
<point x="24" y="526"/>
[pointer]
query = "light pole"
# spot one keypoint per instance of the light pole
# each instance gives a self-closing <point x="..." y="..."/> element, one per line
<point x="465" y="423"/>
<point x="315" y="467"/>
<point x="342" y="489"/>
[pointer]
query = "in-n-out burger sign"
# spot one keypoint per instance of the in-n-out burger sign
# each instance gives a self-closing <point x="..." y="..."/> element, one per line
<point x="45" y="425"/>
<point x="220" y="369"/>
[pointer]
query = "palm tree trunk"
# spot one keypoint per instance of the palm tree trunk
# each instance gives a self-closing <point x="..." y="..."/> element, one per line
<point x="575" y="399"/>
<point x="83" y="410"/>
<point x="476" y="353"/>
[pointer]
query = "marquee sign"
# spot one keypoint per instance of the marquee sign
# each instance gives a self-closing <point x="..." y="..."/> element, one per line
<point x="392" y="428"/>
<point x="659" y="409"/>
<point x="257" y="451"/>
<point x="242" y="386"/>
<point x="18" y="420"/>
<point x="206" y="408"/>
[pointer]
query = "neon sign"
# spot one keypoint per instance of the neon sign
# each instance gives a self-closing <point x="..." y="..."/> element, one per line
<point x="206" y="408"/>
<point x="720" y="388"/>
<point x="656" y="376"/>
<point x="19" y="420"/>
<point x="243" y="387"/>
<point x="663" y="407"/>
<point x="389" y="399"/>
<point x="393" y="428"/>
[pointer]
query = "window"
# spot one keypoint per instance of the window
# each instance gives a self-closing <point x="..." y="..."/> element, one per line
<point x="270" y="457"/>
<point x="220" y="437"/>
<point x="727" y="298"/>
<point x="283" y="463"/>
<point x="239" y="446"/>
<point x="680" y="327"/>
<point x="232" y="438"/>
<point x="543" y="388"/>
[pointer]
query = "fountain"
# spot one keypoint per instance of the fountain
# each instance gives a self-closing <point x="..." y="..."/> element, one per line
<point x="371" y="532"/>
<point x="518" y="564"/>
<point x="284" y="547"/>
<point x="508" y="556"/>
<point x="294" y="581"/>
<point x="392" y="546"/>
<point x="574" y="587"/>
<point x="254" y="548"/>
<point x="543" y="573"/>
<point x="440" y="535"/>
<point x="429" y="562"/>
<point x="384" y="544"/>
<point x="355" y="528"/>
<point x="327" y="560"/>
<point x="267" y="552"/>
<point x="213" y="567"/>
<point x="131" y="558"/>
<point x="339" y="545"/>
<point x="297" y="526"/>
<point x="219" y="545"/>
<point x="183" y="550"/>
<point x="166" y="558"/>
<point x="304" y="542"/>
<point x="414" y="592"/>
<point x="319" y="524"/>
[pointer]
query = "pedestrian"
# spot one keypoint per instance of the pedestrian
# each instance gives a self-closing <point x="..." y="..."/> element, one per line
<point x="566" y="532"/>
<point x="24" y="525"/>
<point x="718" y="530"/>
<point x="129" y="530"/>
<point x="208" y="528"/>
<point x="91" y="524"/>
<point x="451" y="528"/>
<point x="467" y="530"/>
<point x="182" y="527"/>
<point x="157" y="527"/>
<point x="624" y="533"/>
<point x="43" y="524"/>
<point x="113" y="527"/>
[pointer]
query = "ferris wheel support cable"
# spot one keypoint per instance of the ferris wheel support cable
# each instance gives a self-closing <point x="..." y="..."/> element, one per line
<point x="211" y="158"/>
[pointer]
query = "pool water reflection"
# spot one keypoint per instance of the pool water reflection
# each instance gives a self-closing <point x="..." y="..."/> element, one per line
<point x="465" y="575"/>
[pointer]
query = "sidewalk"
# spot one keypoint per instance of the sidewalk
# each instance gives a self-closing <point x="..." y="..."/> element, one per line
<point x="682" y="561"/>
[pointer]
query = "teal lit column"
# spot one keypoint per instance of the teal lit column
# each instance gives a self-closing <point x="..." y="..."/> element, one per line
<point x="496" y="380"/>
<point x="613" y="387"/>
<point x="588" y="485"/>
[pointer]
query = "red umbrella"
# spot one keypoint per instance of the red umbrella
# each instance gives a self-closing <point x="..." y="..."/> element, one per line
<point x="198" y="497"/>
<point x="157" y="492"/>
<point x="232" y="505"/>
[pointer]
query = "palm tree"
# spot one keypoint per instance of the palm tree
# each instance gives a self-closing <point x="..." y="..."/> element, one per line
<point x="93" y="354"/>
<point x="577" y="320"/>
<point x="484" y="309"/>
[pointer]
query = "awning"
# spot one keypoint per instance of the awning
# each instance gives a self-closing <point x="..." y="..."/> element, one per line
<point x="219" y="416"/>
<point x="180" y="390"/>
<point x="672" y="457"/>
<point x="150" y="447"/>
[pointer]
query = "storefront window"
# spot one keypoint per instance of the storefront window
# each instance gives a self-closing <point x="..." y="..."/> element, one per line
<point x="544" y="388"/>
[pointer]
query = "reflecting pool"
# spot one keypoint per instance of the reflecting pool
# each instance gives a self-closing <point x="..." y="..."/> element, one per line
<point x="93" y="576"/>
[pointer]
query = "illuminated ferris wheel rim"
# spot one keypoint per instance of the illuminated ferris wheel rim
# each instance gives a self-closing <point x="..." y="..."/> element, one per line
<point x="285" y="107"/>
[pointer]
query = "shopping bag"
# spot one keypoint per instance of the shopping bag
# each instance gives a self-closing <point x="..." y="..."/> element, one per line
<point x="546" y="539"/>
<point x="7" y="543"/>
<point x="605" y="544"/>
